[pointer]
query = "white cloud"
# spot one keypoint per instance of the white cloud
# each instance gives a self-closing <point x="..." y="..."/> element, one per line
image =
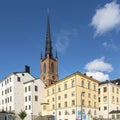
<point x="98" y="65"/>
<point x="98" y="76"/>
<point x="63" y="39"/>
<point x="106" y="18"/>
<point x="96" y="69"/>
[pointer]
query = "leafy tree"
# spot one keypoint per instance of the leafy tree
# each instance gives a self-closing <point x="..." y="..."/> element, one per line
<point x="22" y="114"/>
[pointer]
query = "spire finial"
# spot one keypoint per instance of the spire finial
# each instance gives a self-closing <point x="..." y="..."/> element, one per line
<point x="48" y="49"/>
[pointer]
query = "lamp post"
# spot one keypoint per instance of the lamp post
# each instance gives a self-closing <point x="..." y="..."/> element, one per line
<point x="82" y="93"/>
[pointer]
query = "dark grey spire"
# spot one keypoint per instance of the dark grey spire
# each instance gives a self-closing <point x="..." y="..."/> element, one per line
<point x="48" y="48"/>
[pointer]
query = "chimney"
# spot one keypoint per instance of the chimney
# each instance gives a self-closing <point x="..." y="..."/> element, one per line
<point x="27" y="69"/>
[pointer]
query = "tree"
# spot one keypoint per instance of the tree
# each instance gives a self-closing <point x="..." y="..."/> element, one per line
<point x="22" y="114"/>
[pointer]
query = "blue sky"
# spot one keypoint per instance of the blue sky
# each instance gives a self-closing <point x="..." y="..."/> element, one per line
<point x="85" y="33"/>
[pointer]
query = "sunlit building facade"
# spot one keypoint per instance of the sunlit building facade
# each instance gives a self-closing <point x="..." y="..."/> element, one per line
<point x="66" y="98"/>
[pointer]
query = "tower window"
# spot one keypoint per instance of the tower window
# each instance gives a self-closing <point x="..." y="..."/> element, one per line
<point x="44" y="68"/>
<point x="52" y="68"/>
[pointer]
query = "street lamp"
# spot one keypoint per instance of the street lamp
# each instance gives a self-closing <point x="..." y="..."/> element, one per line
<point x="82" y="93"/>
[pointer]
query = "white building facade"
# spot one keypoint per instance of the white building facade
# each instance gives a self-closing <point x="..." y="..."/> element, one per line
<point x="109" y="100"/>
<point x="14" y="97"/>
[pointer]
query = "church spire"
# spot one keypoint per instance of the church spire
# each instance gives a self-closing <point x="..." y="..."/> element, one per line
<point x="48" y="48"/>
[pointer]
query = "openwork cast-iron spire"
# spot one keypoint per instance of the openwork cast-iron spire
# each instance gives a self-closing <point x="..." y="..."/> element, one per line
<point x="48" y="48"/>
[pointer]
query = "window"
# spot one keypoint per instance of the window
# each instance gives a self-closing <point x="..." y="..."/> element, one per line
<point x="59" y="97"/>
<point x="59" y="113"/>
<point x="105" y="89"/>
<point x="29" y="88"/>
<point x="10" y="108"/>
<point x="59" y="105"/>
<point x="29" y="98"/>
<point x="89" y="103"/>
<point x="94" y="87"/>
<point x="88" y="85"/>
<point x="10" y="98"/>
<point x="53" y="107"/>
<point x="73" y="102"/>
<point x="117" y="99"/>
<point x="89" y="95"/>
<point x="53" y="99"/>
<point x="59" y="89"/>
<point x="18" y="79"/>
<point x="99" y="99"/>
<point x="113" y="99"/>
<point x="5" y="91"/>
<point x="94" y="104"/>
<point x="94" y="96"/>
<point x="52" y="90"/>
<point x="52" y="68"/>
<point x="73" y="93"/>
<point x="94" y="112"/>
<point x="105" y="98"/>
<point x="113" y="89"/>
<point x="99" y="91"/>
<point x="10" y="89"/>
<point x="73" y="83"/>
<point x="73" y="111"/>
<point x="83" y="102"/>
<point x="10" y="79"/>
<point x="25" y="89"/>
<point x="2" y="92"/>
<point x="117" y="91"/>
<point x="65" y="86"/>
<point x="82" y="83"/>
<point x="105" y="107"/>
<point x="44" y="68"/>
<point x="36" y="88"/>
<point x="25" y="107"/>
<point x="29" y="107"/>
<point x="66" y="112"/>
<point x="65" y="104"/>
<point x="65" y="95"/>
<point x="36" y="98"/>
<point x="44" y="107"/>
<point x="26" y="99"/>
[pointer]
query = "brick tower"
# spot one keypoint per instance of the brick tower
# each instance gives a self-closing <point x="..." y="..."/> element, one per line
<point x="49" y="64"/>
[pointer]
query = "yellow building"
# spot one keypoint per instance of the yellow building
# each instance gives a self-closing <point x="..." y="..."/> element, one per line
<point x="109" y="100"/>
<point x="66" y="98"/>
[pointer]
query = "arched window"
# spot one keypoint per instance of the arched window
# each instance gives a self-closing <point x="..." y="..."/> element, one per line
<point x="82" y="83"/>
<point x="52" y="67"/>
<point x="44" y="68"/>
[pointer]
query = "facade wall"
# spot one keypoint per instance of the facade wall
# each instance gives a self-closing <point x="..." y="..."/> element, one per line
<point x="13" y="94"/>
<point x="63" y="99"/>
<point x="109" y="99"/>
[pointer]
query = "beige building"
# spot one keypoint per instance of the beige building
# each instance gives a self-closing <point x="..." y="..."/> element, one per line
<point x="109" y="100"/>
<point x="65" y="98"/>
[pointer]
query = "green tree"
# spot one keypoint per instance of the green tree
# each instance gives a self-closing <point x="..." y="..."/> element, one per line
<point x="22" y="114"/>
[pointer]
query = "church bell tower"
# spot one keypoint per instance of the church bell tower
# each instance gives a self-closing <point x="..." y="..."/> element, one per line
<point x="49" y="64"/>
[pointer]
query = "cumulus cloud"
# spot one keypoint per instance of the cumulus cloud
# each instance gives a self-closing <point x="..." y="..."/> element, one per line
<point x="97" y="67"/>
<point x="98" y="76"/>
<point x="106" y="18"/>
<point x="63" y="39"/>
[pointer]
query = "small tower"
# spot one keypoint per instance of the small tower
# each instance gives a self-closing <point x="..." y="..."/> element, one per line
<point x="49" y="64"/>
